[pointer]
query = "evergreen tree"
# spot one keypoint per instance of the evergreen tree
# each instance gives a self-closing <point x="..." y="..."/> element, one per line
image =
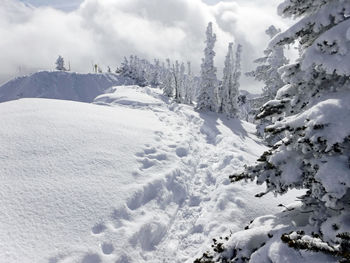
<point x="206" y="99"/>
<point x="188" y="86"/>
<point x="227" y="81"/>
<point x="171" y="79"/>
<point x="177" y="81"/>
<point x="167" y="83"/>
<point x="231" y="106"/>
<point x="60" y="64"/>
<point x="229" y="89"/>
<point x="155" y="74"/>
<point x="182" y="81"/>
<point x="267" y="72"/>
<point x="311" y="113"/>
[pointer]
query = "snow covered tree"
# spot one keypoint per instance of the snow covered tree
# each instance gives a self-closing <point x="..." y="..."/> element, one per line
<point x="60" y="64"/>
<point x="135" y="69"/>
<point x="155" y="74"/>
<point x="267" y="72"/>
<point x="177" y="81"/>
<point x="140" y="72"/>
<point x="125" y="69"/>
<point x="231" y="107"/>
<point x="172" y="79"/>
<point x="312" y="114"/>
<point x="182" y="82"/>
<point x="188" y="85"/>
<point x="206" y="99"/>
<point x="167" y="82"/>
<point x="244" y="107"/>
<point x="227" y="81"/>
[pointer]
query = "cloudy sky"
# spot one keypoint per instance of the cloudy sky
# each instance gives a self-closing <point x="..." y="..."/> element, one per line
<point x="34" y="32"/>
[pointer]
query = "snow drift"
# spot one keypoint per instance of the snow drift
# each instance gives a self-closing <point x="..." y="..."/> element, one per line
<point x="60" y="85"/>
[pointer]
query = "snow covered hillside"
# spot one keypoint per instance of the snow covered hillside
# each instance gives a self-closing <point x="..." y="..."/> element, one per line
<point x="130" y="178"/>
<point x="60" y="85"/>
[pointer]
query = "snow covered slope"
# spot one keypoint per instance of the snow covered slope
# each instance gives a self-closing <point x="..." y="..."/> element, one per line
<point x="59" y="85"/>
<point x="141" y="180"/>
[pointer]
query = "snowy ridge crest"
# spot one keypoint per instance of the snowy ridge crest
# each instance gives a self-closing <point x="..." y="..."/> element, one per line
<point x="60" y="85"/>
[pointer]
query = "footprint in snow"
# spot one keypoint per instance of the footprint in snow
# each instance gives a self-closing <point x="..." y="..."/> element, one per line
<point x="107" y="248"/>
<point x="159" y="157"/>
<point x="151" y="157"/>
<point x="146" y="163"/>
<point x="140" y="154"/>
<point x="91" y="258"/>
<point x="119" y="215"/>
<point x="181" y="152"/>
<point x="146" y="151"/>
<point x="150" y="150"/>
<point x="98" y="228"/>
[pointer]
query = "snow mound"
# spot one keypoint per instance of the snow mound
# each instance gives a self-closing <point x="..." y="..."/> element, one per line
<point x="60" y="85"/>
<point x="134" y="96"/>
<point x="261" y="240"/>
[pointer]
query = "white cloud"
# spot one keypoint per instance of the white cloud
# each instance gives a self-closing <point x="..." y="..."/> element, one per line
<point x="104" y="31"/>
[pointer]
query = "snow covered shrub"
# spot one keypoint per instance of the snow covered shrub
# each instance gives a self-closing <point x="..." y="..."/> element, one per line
<point x="311" y="113"/>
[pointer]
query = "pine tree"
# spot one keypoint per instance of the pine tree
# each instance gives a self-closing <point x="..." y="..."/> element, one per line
<point x="231" y="106"/>
<point x="188" y="85"/>
<point x="60" y="64"/>
<point x="155" y="74"/>
<point x="167" y="83"/>
<point x="206" y="99"/>
<point x="227" y="81"/>
<point x="182" y="78"/>
<point x="312" y="114"/>
<point x="267" y="72"/>
<point x="177" y="81"/>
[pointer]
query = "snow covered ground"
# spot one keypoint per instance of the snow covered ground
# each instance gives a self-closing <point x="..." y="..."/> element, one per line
<point x="130" y="178"/>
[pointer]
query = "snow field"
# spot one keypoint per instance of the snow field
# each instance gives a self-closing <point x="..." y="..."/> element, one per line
<point x="144" y="180"/>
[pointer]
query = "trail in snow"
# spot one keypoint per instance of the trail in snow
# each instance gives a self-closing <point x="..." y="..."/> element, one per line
<point x="171" y="219"/>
